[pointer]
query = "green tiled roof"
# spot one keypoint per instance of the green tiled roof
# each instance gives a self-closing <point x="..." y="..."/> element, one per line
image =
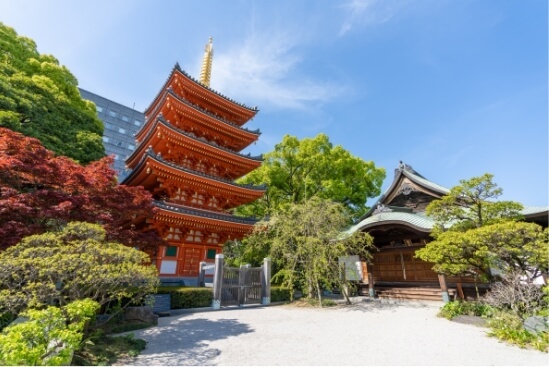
<point x="416" y="220"/>
<point x="529" y="210"/>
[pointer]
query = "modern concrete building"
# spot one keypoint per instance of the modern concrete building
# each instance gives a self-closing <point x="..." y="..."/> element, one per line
<point x="121" y="124"/>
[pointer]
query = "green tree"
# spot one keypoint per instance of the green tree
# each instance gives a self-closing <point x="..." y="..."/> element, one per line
<point x="306" y="241"/>
<point x="49" y="337"/>
<point x="475" y="234"/>
<point x="74" y="264"/>
<point x="471" y="205"/>
<point x="40" y="98"/>
<point x="298" y="170"/>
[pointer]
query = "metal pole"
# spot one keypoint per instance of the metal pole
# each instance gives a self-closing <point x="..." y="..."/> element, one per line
<point x="217" y="281"/>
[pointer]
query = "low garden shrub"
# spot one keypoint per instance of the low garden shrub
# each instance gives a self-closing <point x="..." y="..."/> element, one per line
<point x="509" y="327"/>
<point x="103" y="350"/>
<point x="280" y="294"/>
<point x="457" y="308"/>
<point x="187" y="297"/>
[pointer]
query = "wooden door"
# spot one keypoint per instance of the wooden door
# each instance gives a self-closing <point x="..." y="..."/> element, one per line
<point x="400" y="265"/>
<point x="192" y="255"/>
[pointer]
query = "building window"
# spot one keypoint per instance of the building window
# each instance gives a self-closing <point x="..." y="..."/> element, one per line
<point x="99" y="108"/>
<point x="116" y="156"/>
<point x="109" y="126"/>
<point x="125" y="118"/>
<point x="172" y="251"/>
<point x="137" y="123"/>
<point x="122" y="131"/>
<point x="118" y="143"/>
<point x="131" y="146"/>
<point x="112" y="113"/>
<point x="211" y="253"/>
<point x="105" y="139"/>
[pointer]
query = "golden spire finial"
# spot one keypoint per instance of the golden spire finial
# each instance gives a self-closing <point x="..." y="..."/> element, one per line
<point x="206" y="71"/>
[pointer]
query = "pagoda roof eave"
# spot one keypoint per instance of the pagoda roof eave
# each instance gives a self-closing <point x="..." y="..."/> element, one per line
<point x="252" y="111"/>
<point x="205" y="214"/>
<point x="149" y="154"/>
<point x="256" y="132"/>
<point x="161" y="121"/>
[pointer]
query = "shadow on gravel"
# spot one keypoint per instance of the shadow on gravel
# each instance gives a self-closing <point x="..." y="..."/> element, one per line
<point x="185" y="342"/>
<point x="369" y="305"/>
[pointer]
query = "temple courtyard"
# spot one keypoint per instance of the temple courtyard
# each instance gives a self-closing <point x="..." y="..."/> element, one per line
<point x="367" y="333"/>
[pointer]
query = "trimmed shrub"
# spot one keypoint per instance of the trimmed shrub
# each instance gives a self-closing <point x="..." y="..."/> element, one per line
<point x="457" y="308"/>
<point x="280" y="294"/>
<point x="187" y="297"/>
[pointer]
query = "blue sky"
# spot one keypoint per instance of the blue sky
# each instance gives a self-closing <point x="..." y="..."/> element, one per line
<point x="455" y="88"/>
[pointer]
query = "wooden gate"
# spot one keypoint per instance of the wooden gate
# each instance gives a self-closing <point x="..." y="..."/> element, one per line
<point x="241" y="286"/>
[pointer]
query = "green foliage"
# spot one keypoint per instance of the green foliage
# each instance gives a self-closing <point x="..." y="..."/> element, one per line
<point x="102" y="350"/>
<point x="508" y="327"/>
<point x="298" y="170"/>
<point x="474" y="235"/>
<point x="457" y="308"/>
<point x="187" y="297"/>
<point x="73" y="264"/>
<point x="306" y="241"/>
<point x="509" y="246"/>
<point x="280" y="294"/>
<point x="470" y="205"/>
<point x="49" y="337"/>
<point x="40" y="98"/>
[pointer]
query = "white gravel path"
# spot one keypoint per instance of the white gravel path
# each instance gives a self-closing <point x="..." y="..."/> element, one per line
<point x="372" y="333"/>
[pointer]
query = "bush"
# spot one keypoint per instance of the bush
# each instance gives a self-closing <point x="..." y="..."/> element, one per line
<point x="508" y="327"/>
<point x="514" y="294"/>
<point x="457" y="308"/>
<point x="74" y="264"/>
<point x="280" y="294"/>
<point x="49" y="337"/>
<point x="187" y="297"/>
<point x="104" y="350"/>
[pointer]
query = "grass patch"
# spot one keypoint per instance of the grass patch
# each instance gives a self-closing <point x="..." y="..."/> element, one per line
<point x="103" y="350"/>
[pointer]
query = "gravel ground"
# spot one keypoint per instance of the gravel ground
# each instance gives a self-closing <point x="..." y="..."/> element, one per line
<point x="364" y="334"/>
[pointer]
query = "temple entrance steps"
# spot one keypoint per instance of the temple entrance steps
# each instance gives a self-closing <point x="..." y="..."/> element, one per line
<point x="424" y="293"/>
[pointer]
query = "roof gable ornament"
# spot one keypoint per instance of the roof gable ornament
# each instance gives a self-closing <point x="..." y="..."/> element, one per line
<point x="380" y="208"/>
<point x="206" y="70"/>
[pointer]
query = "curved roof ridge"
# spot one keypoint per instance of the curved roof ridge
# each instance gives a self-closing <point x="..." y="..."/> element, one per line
<point x="204" y="213"/>
<point x="420" y="222"/>
<point x="178" y="68"/>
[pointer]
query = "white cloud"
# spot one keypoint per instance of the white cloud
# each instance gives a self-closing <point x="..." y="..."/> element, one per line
<point x="369" y="12"/>
<point x="264" y="70"/>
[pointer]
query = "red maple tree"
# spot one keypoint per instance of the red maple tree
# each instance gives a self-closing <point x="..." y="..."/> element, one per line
<point x="40" y="192"/>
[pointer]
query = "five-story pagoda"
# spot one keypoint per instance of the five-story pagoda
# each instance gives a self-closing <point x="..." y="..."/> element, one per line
<point x="188" y="157"/>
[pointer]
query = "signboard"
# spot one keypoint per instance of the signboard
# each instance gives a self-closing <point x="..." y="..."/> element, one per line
<point x="353" y="267"/>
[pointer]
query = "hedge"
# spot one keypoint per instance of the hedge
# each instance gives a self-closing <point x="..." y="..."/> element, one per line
<point x="280" y="294"/>
<point x="187" y="297"/>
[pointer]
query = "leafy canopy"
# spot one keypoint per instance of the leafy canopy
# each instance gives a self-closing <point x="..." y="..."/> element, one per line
<point x="40" y="192"/>
<point x="306" y="241"/>
<point x="49" y="337"/>
<point x="298" y="170"/>
<point x="40" y="98"/>
<point x="475" y="234"/>
<point x="76" y="263"/>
